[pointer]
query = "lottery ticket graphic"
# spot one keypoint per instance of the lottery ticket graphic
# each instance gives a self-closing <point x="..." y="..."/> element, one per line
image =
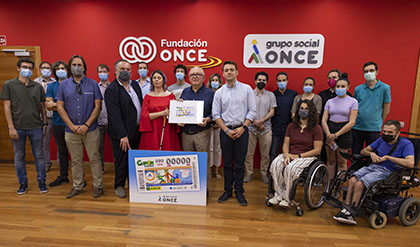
<point x="167" y="173"/>
<point x="185" y="111"/>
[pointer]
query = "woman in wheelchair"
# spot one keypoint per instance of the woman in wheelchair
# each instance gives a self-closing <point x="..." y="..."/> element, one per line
<point x="302" y="142"/>
<point x="339" y="117"/>
<point x="386" y="153"/>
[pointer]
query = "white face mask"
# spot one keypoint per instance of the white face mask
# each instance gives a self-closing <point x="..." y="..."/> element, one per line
<point x="370" y="76"/>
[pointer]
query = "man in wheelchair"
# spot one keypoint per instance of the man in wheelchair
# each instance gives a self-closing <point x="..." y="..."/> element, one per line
<point x="387" y="154"/>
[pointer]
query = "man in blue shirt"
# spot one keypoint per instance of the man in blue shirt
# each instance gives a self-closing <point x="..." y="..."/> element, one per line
<point x="384" y="163"/>
<point x="374" y="99"/>
<point x="196" y="137"/>
<point x="79" y="102"/>
<point x="234" y="109"/>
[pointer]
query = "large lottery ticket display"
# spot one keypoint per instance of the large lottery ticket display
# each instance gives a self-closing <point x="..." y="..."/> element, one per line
<point x="167" y="177"/>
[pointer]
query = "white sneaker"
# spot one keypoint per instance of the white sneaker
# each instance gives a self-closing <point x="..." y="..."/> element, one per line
<point x="284" y="204"/>
<point x="273" y="201"/>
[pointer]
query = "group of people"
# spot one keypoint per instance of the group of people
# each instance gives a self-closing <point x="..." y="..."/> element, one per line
<point x="79" y="111"/>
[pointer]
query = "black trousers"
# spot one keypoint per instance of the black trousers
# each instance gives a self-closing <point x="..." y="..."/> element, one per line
<point x="234" y="152"/>
<point x="121" y="159"/>
<point x="360" y="137"/>
<point x="59" y="133"/>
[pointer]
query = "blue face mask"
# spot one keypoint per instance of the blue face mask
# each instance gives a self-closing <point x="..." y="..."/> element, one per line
<point x="282" y="85"/>
<point x="340" y="92"/>
<point x="307" y="89"/>
<point x="46" y="73"/>
<point x="370" y="76"/>
<point x="180" y="76"/>
<point x="26" y="73"/>
<point x="61" y="74"/>
<point x="142" y="73"/>
<point x="215" y="84"/>
<point x="103" y="76"/>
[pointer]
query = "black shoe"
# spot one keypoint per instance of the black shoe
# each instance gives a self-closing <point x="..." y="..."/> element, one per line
<point x="43" y="188"/>
<point x="59" y="181"/>
<point x="345" y="217"/>
<point x="224" y="197"/>
<point x="23" y="188"/>
<point x="241" y="199"/>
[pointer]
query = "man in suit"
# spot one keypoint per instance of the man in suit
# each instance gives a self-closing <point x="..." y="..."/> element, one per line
<point x="123" y="99"/>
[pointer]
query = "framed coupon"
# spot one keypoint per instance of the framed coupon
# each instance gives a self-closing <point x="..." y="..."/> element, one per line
<point x="187" y="111"/>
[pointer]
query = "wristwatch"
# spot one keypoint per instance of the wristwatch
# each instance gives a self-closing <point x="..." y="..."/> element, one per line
<point x="45" y="124"/>
<point x="245" y="127"/>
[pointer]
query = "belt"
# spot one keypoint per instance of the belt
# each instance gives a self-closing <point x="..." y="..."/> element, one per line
<point x="192" y="132"/>
<point x="233" y="127"/>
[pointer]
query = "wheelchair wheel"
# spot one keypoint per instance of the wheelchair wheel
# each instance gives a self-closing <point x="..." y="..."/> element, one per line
<point x="409" y="212"/>
<point x="316" y="184"/>
<point x="377" y="220"/>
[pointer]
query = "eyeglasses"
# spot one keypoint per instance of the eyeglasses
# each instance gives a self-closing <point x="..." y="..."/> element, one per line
<point x="79" y="90"/>
<point x="196" y="75"/>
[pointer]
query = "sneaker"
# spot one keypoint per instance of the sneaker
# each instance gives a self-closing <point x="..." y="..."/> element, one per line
<point x="248" y="178"/>
<point x="73" y="193"/>
<point x="23" y="188"/>
<point x="48" y="167"/>
<point x="224" y="197"/>
<point x="344" y="216"/>
<point x="284" y="204"/>
<point x="273" y="201"/>
<point x="97" y="192"/>
<point x="241" y="199"/>
<point x="59" y="181"/>
<point x="119" y="192"/>
<point x="43" y="188"/>
<point x="264" y="179"/>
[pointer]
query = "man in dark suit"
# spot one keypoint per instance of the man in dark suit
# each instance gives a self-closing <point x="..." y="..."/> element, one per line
<point x="123" y="100"/>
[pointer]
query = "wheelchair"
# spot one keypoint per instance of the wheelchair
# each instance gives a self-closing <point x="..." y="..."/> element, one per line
<point x="315" y="182"/>
<point x="385" y="198"/>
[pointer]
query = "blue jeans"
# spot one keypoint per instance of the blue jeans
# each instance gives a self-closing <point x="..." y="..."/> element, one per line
<point x="35" y="138"/>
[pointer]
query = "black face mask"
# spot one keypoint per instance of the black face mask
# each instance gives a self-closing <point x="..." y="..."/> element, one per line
<point x="303" y="114"/>
<point x="260" y="85"/>
<point x="387" y="138"/>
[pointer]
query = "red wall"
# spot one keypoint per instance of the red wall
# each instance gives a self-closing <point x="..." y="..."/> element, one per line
<point x="355" y="32"/>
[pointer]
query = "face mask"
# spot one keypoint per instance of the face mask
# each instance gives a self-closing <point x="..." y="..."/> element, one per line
<point x="260" y="85"/>
<point x="180" y="76"/>
<point x="282" y="85"/>
<point x="124" y="76"/>
<point x="332" y="83"/>
<point x="340" y="91"/>
<point x="46" y="73"/>
<point x="303" y="114"/>
<point x="77" y="71"/>
<point x="103" y="76"/>
<point x="142" y="73"/>
<point x="26" y="73"/>
<point x="307" y="89"/>
<point x="387" y="138"/>
<point x="62" y="74"/>
<point x="215" y="84"/>
<point x="370" y="76"/>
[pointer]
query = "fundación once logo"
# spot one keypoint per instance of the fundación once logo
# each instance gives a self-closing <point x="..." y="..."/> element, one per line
<point x="144" y="49"/>
<point x="283" y="50"/>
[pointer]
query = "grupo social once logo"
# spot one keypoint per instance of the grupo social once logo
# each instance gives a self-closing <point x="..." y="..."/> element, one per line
<point x="142" y="49"/>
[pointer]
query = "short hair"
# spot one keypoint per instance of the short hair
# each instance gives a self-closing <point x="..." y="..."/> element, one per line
<point x="282" y="73"/>
<point x="181" y="66"/>
<point x="55" y="67"/>
<point x="25" y="60"/>
<point x="117" y="62"/>
<point x="229" y="62"/>
<point x="344" y="77"/>
<point x="147" y="65"/>
<point x="370" y="63"/>
<point x="211" y="78"/>
<point x="160" y="72"/>
<point x="102" y="66"/>
<point x="71" y="61"/>
<point x="396" y="123"/>
<point x="44" y="62"/>
<point x="335" y="70"/>
<point x="261" y="73"/>
<point x="201" y="69"/>
<point x="309" y="78"/>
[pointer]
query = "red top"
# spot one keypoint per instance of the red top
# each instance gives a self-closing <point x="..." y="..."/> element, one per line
<point x="302" y="142"/>
<point x="152" y="129"/>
